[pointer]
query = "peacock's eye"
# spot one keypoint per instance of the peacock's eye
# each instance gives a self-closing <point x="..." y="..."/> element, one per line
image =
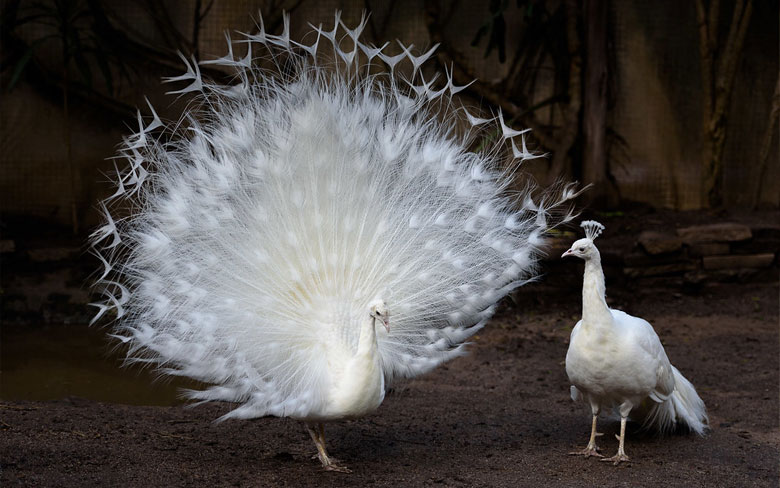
<point x="582" y="249"/>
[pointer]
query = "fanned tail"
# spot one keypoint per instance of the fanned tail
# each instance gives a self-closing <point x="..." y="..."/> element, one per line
<point x="256" y="231"/>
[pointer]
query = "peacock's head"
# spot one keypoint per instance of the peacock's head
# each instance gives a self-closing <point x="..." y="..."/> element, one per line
<point x="379" y="312"/>
<point x="585" y="248"/>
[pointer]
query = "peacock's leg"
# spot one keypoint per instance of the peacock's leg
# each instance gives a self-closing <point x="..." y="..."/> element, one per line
<point x="317" y="433"/>
<point x="621" y="454"/>
<point x="591" y="449"/>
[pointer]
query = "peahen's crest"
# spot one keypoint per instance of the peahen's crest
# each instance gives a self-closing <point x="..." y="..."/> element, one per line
<point x="592" y="228"/>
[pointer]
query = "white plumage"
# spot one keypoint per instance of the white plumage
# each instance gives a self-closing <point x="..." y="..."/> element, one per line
<point x="616" y="360"/>
<point x="313" y="232"/>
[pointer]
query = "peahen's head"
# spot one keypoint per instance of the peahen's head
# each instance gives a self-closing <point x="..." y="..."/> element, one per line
<point x="585" y="248"/>
<point x="378" y="311"/>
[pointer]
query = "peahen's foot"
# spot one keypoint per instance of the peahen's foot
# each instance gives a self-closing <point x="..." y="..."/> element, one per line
<point x="334" y="465"/>
<point x="336" y="468"/>
<point x="617" y="459"/>
<point x="589" y="451"/>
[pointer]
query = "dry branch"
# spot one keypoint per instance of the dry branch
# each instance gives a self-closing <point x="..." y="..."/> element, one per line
<point x="718" y="71"/>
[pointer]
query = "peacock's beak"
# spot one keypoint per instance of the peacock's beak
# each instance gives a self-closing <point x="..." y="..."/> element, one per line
<point x="386" y="323"/>
<point x="567" y="253"/>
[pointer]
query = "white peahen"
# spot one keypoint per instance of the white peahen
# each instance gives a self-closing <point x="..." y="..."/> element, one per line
<point x="616" y="360"/>
<point x="314" y="231"/>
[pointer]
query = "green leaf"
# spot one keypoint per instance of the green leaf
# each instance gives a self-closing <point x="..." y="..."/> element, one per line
<point x="498" y="38"/>
<point x="616" y="213"/>
<point x="24" y="60"/>
<point x="19" y="68"/>
<point x="480" y="32"/>
<point x="495" y="27"/>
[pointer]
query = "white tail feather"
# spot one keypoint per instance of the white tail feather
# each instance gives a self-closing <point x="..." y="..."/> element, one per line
<point x="291" y="200"/>
<point x="683" y="408"/>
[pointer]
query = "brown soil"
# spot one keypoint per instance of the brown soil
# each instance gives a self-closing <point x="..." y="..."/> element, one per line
<point x="498" y="417"/>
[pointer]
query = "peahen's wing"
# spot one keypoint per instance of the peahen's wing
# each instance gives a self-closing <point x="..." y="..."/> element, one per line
<point x="649" y="351"/>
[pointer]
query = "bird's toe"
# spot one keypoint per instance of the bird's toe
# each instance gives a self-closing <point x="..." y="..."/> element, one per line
<point x="617" y="459"/>
<point x="587" y="452"/>
<point x="337" y="468"/>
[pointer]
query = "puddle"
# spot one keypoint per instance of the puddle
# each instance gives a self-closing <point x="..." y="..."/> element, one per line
<point x="57" y="361"/>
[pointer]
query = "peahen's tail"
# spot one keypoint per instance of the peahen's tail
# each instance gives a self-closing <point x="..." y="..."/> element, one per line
<point x="684" y="407"/>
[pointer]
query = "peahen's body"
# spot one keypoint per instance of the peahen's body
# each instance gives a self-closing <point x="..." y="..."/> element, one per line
<point x="617" y="360"/>
<point x="313" y="233"/>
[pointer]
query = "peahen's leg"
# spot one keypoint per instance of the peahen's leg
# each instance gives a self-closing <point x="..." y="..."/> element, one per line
<point x="317" y="433"/>
<point x="621" y="454"/>
<point x="591" y="449"/>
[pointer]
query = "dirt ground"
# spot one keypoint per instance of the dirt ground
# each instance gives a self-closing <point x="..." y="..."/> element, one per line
<point x="500" y="416"/>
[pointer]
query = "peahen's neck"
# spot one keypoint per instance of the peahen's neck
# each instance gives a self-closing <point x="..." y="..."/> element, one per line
<point x="595" y="312"/>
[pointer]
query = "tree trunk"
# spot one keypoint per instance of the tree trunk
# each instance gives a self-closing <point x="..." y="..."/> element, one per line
<point x="718" y="71"/>
<point x="571" y="111"/>
<point x="594" y="163"/>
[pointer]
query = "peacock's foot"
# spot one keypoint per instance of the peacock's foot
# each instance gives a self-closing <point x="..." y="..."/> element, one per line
<point x="617" y="459"/>
<point x="590" y="451"/>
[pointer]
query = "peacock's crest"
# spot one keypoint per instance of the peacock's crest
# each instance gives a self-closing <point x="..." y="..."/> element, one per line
<point x="592" y="228"/>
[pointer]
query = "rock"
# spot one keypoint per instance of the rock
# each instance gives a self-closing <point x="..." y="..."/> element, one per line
<point x="759" y="244"/>
<point x="725" y="232"/>
<point x="738" y="261"/>
<point x="721" y="275"/>
<point x="766" y="228"/>
<point x="7" y="245"/>
<point x="638" y="259"/>
<point x="708" y="249"/>
<point x="663" y="269"/>
<point x="659" y="243"/>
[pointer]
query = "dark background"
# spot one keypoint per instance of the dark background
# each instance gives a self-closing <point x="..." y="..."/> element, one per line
<point x="618" y="93"/>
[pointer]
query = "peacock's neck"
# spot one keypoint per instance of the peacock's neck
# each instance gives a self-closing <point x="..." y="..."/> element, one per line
<point x="595" y="311"/>
<point x="361" y="386"/>
<point x="367" y="340"/>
